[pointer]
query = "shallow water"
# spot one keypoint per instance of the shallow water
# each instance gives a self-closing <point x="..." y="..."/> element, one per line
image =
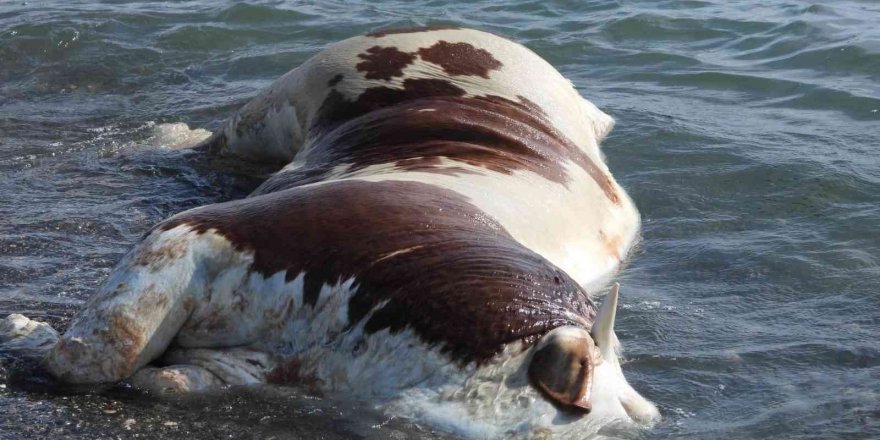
<point x="746" y="135"/>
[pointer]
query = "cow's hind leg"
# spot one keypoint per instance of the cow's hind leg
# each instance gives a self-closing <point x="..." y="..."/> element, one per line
<point x="201" y="369"/>
<point x="133" y="318"/>
<point x="26" y="339"/>
<point x="135" y="315"/>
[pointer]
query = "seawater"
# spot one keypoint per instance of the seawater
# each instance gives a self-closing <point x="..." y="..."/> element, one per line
<point x="747" y="134"/>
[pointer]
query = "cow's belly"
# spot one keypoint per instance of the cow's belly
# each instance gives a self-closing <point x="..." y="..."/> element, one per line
<point x="246" y="308"/>
<point x="312" y="346"/>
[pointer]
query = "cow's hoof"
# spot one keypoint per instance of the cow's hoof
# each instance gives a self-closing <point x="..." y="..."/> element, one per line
<point x="24" y="337"/>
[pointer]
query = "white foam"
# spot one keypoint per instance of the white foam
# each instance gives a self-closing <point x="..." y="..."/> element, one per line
<point x="176" y="136"/>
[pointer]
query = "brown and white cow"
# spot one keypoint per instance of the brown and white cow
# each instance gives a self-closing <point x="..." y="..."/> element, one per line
<point x="428" y="246"/>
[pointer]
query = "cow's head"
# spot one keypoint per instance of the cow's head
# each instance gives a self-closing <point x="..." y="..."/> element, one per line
<point x="579" y="371"/>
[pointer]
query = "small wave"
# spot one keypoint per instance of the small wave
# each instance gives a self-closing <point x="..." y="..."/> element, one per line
<point x="213" y="38"/>
<point x="244" y="13"/>
<point x="770" y="92"/>
<point x="845" y="59"/>
<point x="659" y="27"/>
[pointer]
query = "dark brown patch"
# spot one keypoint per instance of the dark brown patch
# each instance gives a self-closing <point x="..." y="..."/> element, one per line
<point x="336" y="109"/>
<point x="531" y="106"/>
<point x="460" y="59"/>
<point x="431" y="165"/>
<point x="464" y="284"/>
<point x="335" y="80"/>
<point x="484" y="133"/>
<point x="409" y="30"/>
<point x="509" y="135"/>
<point x="428" y="120"/>
<point x="384" y="62"/>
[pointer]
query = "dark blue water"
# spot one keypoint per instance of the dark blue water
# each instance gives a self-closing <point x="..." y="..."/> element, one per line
<point x="747" y="135"/>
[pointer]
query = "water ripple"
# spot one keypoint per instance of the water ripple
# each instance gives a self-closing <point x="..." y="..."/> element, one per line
<point x="746" y="135"/>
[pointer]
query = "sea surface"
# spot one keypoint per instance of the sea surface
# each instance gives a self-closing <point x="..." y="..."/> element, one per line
<point x="747" y="134"/>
